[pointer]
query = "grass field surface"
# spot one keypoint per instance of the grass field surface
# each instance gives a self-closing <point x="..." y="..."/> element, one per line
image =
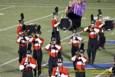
<point x="40" y="12"/>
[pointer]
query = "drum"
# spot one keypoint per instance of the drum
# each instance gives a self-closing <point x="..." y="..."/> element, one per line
<point x="109" y="25"/>
<point x="65" y="24"/>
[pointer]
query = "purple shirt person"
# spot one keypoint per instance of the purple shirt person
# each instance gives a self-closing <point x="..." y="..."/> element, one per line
<point x="75" y="11"/>
<point x="79" y="7"/>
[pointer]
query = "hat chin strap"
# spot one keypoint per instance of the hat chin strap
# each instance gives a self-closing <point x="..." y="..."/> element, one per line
<point x="37" y="35"/>
<point x="59" y="64"/>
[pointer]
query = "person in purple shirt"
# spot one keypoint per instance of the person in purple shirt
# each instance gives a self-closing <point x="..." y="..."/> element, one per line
<point x="76" y="9"/>
<point x="79" y="7"/>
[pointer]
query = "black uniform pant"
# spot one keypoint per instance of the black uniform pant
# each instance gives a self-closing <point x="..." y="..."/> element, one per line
<point x="22" y="53"/>
<point x="101" y="40"/>
<point x="74" y="49"/>
<point x="91" y="51"/>
<point x="56" y="34"/>
<point x="82" y="49"/>
<point x="29" y="47"/>
<point x="37" y="54"/>
<point x="51" y="63"/>
<point x="80" y="74"/>
<point x="76" y="21"/>
<point x="26" y="73"/>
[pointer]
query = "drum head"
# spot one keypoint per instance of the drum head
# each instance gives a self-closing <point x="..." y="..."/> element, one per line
<point x="65" y="24"/>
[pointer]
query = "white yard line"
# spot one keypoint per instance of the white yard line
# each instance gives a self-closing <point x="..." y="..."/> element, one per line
<point x="1" y="14"/>
<point x="105" y="8"/>
<point x="45" y="4"/>
<point x="7" y="62"/>
<point x="100" y="75"/>
<point x="51" y="5"/>
<point x="7" y="7"/>
<point x="30" y="21"/>
<point x="37" y="6"/>
<point x="33" y="20"/>
<point x="31" y="5"/>
<point x="41" y="5"/>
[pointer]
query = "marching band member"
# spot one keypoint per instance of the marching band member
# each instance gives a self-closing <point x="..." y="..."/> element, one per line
<point x="60" y="70"/>
<point x="79" y="64"/>
<point x="54" y="51"/>
<point x="22" y="40"/>
<point x="19" y="27"/>
<point x="27" y="65"/>
<point x="75" y="42"/>
<point x="55" y="31"/>
<point x="37" y="43"/>
<point x="92" y="42"/>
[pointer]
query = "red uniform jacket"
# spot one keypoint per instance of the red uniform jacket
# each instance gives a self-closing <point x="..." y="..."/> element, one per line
<point x="37" y="42"/>
<point x="53" y="49"/>
<point x="22" y="41"/>
<point x="27" y="63"/>
<point x="79" y="62"/>
<point x="53" y="22"/>
<point x="62" y="70"/>
<point x="92" y="35"/>
<point x="19" y="29"/>
<point x="75" y="41"/>
<point x="97" y="24"/>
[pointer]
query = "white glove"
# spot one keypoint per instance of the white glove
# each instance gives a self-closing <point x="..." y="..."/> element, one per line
<point x="21" y="67"/>
<point x="62" y="75"/>
<point x="73" y="58"/>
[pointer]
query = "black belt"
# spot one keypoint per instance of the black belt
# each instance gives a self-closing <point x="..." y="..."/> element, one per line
<point x="28" y="69"/>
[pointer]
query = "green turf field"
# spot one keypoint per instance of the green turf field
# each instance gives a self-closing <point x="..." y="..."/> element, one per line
<point x="40" y="12"/>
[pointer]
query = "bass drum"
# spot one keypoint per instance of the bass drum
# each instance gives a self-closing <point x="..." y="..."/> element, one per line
<point x="65" y="24"/>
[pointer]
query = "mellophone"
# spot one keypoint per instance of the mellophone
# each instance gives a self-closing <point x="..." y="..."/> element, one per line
<point x="65" y="23"/>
